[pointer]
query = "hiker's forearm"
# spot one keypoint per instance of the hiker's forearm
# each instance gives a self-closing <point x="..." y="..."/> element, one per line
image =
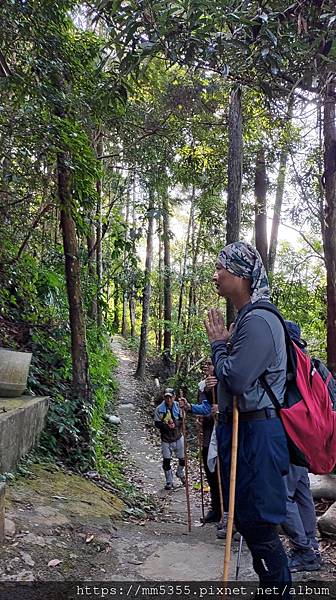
<point x="203" y="409"/>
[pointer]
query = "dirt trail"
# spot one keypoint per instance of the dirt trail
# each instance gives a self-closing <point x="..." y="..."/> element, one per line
<point x="173" y="553"/>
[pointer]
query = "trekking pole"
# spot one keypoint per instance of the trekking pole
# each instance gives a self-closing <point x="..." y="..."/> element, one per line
<point x="219" y="478"/>
<point x="201" y="466"/>
<point x="184" y="430"/>
<point x="233" y="474"/>
<point x="239" y="556"/>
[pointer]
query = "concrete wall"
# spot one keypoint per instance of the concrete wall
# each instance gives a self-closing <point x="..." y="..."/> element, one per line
<point x="21" y="422"/>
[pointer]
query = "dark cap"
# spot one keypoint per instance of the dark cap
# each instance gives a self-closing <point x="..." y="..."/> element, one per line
<point x="169" y="392"/>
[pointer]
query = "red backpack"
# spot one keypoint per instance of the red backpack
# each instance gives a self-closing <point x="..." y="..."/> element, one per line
<point x="307" y="414"/>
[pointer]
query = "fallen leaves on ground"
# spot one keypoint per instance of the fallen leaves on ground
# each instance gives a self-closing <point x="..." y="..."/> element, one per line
<point x="54" y="562"/>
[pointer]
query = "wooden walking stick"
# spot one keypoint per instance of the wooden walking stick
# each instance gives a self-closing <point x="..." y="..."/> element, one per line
<point x="233" y="474"/>
<point x="200" y="445"/>
<point x="219" y="478"/>
<point x="184" y="430"/>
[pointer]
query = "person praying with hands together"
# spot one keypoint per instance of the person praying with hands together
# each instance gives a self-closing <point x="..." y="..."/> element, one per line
<point x="241" y="354"/>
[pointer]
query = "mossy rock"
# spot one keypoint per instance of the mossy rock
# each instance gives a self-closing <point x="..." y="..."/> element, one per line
<point x="60" y="497"/>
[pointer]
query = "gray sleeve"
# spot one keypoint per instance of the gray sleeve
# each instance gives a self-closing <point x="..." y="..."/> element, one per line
<point x="252" y="353"/>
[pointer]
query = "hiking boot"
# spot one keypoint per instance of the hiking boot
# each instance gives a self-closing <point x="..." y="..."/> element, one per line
<point x="169" y="480"/>
<point x="223" y="522"/>
<point x="303" y="560"/>
<point x="180" y="474"/>
<point x="314" y="545"/>
<point x="221" y="533"/>
<point x="222" y="527"/>
<point x="212" y="516"/>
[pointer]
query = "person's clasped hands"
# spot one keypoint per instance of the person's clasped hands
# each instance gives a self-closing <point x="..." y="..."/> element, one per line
<point x="215" y="326"/>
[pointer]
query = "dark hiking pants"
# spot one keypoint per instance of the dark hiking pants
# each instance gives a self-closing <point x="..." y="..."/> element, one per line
<point x="260" y="503"/>
<point x="300" y="522"/>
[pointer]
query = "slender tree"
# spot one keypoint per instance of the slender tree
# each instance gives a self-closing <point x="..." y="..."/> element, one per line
<point x="185" y="256"/>
<point x="126" y="269"/>
<point x="260" y="193"/>
<point x="81" y="388"/>
<point x="99" y="234"/>
<point x="280" y="187"/>
<point x="160" y="287"/>
<point x="235" y="170"/>
<point x="132" y="293"/>
<point x="166" y="276"/>
<point x="329" y="129"/>
<point x="146" y="295"/>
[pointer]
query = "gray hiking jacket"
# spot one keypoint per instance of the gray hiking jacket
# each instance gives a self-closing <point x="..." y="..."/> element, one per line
<point x="257" y="347"/>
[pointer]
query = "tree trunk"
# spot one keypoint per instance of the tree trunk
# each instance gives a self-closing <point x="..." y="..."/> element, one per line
<point x="81" y="388"/>
<point x="167" y="311"/>
<point x="321" y="174"/>
<point x="329" y="130"/>
<point x="183" y="274"/>
<point x="91" y="241"/>
<point x="116" y="295"/>
<point x="196" y="241"/>
<point x="132" y="315"/>
<point x="160" y="291"/>
<point x="146" y="296"/>
<point x="132" y="294"/>
<point x="260" y="193"/>
<point x="99" y="249"/>
<point x="126" y="271"/>
<point x="235" y="171"/>
<point x="124" y="315"/>
<point x="279" y="197"/>
<point x="185" y="257"/>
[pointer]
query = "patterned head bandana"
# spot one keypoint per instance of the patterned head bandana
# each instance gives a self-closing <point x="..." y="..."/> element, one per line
<point x="243" y="260"/>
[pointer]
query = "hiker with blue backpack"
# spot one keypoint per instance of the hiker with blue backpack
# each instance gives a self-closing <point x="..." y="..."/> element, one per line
<point x="168" y="420"/>
<point x="253" y="347"/>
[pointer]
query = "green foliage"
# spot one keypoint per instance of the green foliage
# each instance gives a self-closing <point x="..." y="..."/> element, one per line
<point x="299" y="291"/>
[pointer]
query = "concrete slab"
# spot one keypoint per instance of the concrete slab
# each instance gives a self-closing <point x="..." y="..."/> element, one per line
<point x="21" y="422"/>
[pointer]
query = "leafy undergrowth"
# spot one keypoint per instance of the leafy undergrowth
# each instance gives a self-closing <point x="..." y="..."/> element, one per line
<point x="59" y="437"/>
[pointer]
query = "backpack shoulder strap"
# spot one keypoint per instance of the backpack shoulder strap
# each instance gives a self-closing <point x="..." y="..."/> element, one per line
<point x="291" y="357"/>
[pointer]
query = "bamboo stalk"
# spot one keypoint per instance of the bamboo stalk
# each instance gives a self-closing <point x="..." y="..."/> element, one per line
<point x="233" y="474"/>
<point x="184" y="429"/>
